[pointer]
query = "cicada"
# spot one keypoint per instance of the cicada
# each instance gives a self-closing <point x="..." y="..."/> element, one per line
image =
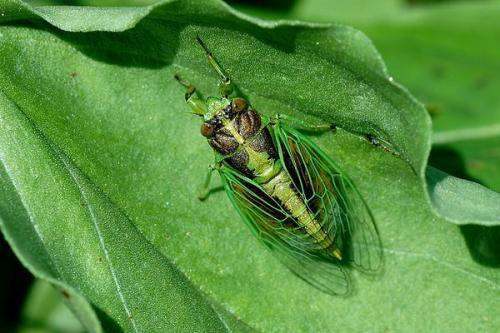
<point x="293" y="197"/>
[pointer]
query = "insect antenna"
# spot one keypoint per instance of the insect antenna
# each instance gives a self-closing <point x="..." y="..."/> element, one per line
<point x="182" y="82"/>
<point x="225" y="86"/>
<point x="212" y="60"/>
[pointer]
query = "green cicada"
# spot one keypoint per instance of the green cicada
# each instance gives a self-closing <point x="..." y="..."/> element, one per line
<point x="291" y="195"/>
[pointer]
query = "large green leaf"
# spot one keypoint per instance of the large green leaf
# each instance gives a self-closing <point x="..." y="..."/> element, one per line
<point x="65" y="230"/>
<point x="447" y="55"/>
<point x="100" y="159"/>
<point x="448" y="195"/>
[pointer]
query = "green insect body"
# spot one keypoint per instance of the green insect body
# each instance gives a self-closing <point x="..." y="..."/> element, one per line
<point x="292" y="196"/>
<point x="275" y="181"/>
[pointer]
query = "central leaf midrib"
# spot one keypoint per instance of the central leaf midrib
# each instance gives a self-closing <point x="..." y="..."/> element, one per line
<point x="68" y="164"/>
<point x="102" y="245"/>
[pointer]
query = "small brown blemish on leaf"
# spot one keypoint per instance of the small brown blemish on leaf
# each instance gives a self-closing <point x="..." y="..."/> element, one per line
<point x="73" y="74"/>
<point x="65" y="294"/>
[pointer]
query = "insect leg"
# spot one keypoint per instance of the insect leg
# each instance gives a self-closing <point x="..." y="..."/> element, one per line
<point x="225" y="86"/>
<point x="205" y="189"/>
<point x="302" y="125"/>
<point x="372" y="139"/>
<point x="381" y="143"/>
<point x="197" y="105"/>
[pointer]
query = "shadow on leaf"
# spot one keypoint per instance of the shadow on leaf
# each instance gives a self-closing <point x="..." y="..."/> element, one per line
<point x="108" y="323"/>
<point x="483" y="242"/>
<point x="450" y="161"/>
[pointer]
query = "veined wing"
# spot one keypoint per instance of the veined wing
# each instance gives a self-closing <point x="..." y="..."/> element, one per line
<point x="331" y="195"/>
<point x="276" y="228"/>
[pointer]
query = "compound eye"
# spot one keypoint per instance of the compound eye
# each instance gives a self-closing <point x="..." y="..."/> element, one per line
<point x="239" y="104"/>
<point x="207" y="130"/>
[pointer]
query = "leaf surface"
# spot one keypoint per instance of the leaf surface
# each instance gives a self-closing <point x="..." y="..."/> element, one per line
<point x="447" y="55"/>
<point x="97" y="134"/>
<point x="68" y="232"/>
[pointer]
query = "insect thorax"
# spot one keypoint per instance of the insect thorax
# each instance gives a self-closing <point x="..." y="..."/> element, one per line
<point x="239" y="136"/>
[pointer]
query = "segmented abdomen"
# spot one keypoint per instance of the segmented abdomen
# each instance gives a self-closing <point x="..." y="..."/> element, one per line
<point x="281" y="188"/>
<point x="249" y="149"/>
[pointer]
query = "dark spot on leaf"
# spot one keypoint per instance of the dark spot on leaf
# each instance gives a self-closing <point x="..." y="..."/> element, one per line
<point x="65" y="293"/>
<point x="483" y="243"/>
<point x="447" y="159"/>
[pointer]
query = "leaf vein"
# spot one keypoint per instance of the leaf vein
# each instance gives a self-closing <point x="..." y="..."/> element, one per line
<point x="491" y="284"/>
<point x="102" y="243"/>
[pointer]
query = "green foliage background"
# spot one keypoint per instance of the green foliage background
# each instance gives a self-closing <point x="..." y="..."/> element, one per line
<point x="100" y="163"/>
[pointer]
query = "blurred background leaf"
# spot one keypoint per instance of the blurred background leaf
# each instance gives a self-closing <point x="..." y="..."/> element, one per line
<point x="45" y="312"/>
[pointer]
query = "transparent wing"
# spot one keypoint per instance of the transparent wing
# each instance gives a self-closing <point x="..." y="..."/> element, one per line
<point x="271" y="224"/>
<point x="331" y="195"/>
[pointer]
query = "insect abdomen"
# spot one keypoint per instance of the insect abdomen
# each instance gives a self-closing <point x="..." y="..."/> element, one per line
<point x="250" y="150"/>
<point x="280" y="187"/>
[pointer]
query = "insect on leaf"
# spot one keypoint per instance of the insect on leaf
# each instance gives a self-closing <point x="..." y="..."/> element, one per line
<point x="335" y="203"/>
